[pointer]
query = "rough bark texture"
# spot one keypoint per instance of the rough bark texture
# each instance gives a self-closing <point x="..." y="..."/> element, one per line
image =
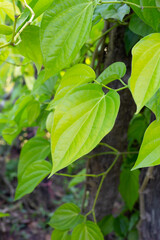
<point x="150" y="226"/>
<point x="116" y="138"/>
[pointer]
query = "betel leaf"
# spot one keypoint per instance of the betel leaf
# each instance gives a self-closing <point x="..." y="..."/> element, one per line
<point x="64" y="29"/>
<point x="30" y="45"/>
<point x="109" y="10"/>
<point x="66" y="217"/>
<point x="144" y="81"/>
<point x="106" y="224"/>
<point x="88" y="231"/>
<point x="83" y="118"/>
<point x="35" y="149"/>
<point x="150" y="16"/>
<point x="10" y="131"/>
<point x="149" y="154"/>
<point x="7" y="7"/>
<point x="115" y="71"/>
<point x="129" y="186"/>
<point x="49" y="122"/>
<point x="60" y="235"/>
<point x="5" y="30"/>
<point x="33" y="111"/>
<point x="77" y="180"/>
<point x="75" y="76"/>
<point x="137" y="26"/>
<point x="121" y="225"/>
<point x="154" y="104"/>
<point x="33" y="174"/>
<point x="158" y="4"/>
<point x="38" y="6"/>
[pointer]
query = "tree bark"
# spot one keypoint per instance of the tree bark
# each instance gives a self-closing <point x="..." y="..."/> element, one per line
<point x="116" y="138"/>
<point x="150" y="224"/>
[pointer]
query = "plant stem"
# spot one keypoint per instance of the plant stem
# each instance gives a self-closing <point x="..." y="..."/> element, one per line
<point x="108" y="146"/>
<point x="99" y="189"/>
<point x="122" y="82"/>
<point x="126" y="2"/>
<point x="103" y="85"/>
<point x="27" y="23"/>
<point x="5" y="45"/>
<point x="120" y="89"/>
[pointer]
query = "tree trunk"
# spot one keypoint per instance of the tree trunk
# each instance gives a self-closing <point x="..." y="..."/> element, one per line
<point x="150" y="222"/>
<point x="116" y="138"/>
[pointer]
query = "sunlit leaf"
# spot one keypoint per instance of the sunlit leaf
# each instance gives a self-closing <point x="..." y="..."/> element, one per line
<point x="64" y="30"/>
<point x="144" y="81"/>
<point x="83" y="118"/>
<point x="149" y="154"/>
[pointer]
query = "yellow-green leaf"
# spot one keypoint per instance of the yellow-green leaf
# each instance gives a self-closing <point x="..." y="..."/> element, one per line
<point x="149" y="154"/>
<point x="81" y="120"/>
<point x="64" y="29"/>
<point x="145" y="80"/>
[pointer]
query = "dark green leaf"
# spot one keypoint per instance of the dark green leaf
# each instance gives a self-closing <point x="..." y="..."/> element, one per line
<point x="129" y="186"/>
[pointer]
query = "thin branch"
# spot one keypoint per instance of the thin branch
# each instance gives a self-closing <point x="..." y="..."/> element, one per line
<point x="108" y="146"/>
<point x="129" y="3"/>
<point x="27" y="23"/>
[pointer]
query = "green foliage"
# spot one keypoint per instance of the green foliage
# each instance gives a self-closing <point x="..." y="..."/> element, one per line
<point x="30" y="45"/>
<point x="33" y="174"/>
<point x="60" y="235"/>
<point x="129" y="186"/>
<point x="65" y="99"/>
<point x="66" y="217"/>
<point x="150" y="16"/>
<point x="149" y="154"/>
<point x="34" y="150"/>
<point x="114" y="71"/>
<point x="87" y="231"/>
<point x="84" y="117"/>
<point x="75" y="17"/>
<point x="145" y="69"/>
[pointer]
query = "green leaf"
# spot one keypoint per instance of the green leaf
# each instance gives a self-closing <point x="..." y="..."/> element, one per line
<point x="10" y="132"/>
<point x="158" y="4"/>
<point x="38" y="6"/>
<point x="115" y="71"/>
<point x="150" y="16"/>
<point x="115" y="11"/>
<point x="72" y="23"/>
<point x="149" y="154"/>
<point x="5" y="30"/>
<point x="33" y="174"/>
<point x="7" y="7"/>
<point x="33" y="111"/>
<point x="121" y="225"/>
<point x="35" y="149"/>
<point x="106" y="225"/>
<point x="79" y="179"/>
<point x="30" y="45"/>
<point x="83" y="118"/>
<point x="75" y="76"/>
<point x="49" y="122"/>
<point x="137" y="128"/>
<point x="66" y="217"/>
<point x="137" y="26"/>
<point x="144" y="81"/>
<point x="88" y="231"/>
<point x="154" y="104"/>
<point x="4" y="215"/>
<point x="129" y="186"/>
<point x="60" y="235"/>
